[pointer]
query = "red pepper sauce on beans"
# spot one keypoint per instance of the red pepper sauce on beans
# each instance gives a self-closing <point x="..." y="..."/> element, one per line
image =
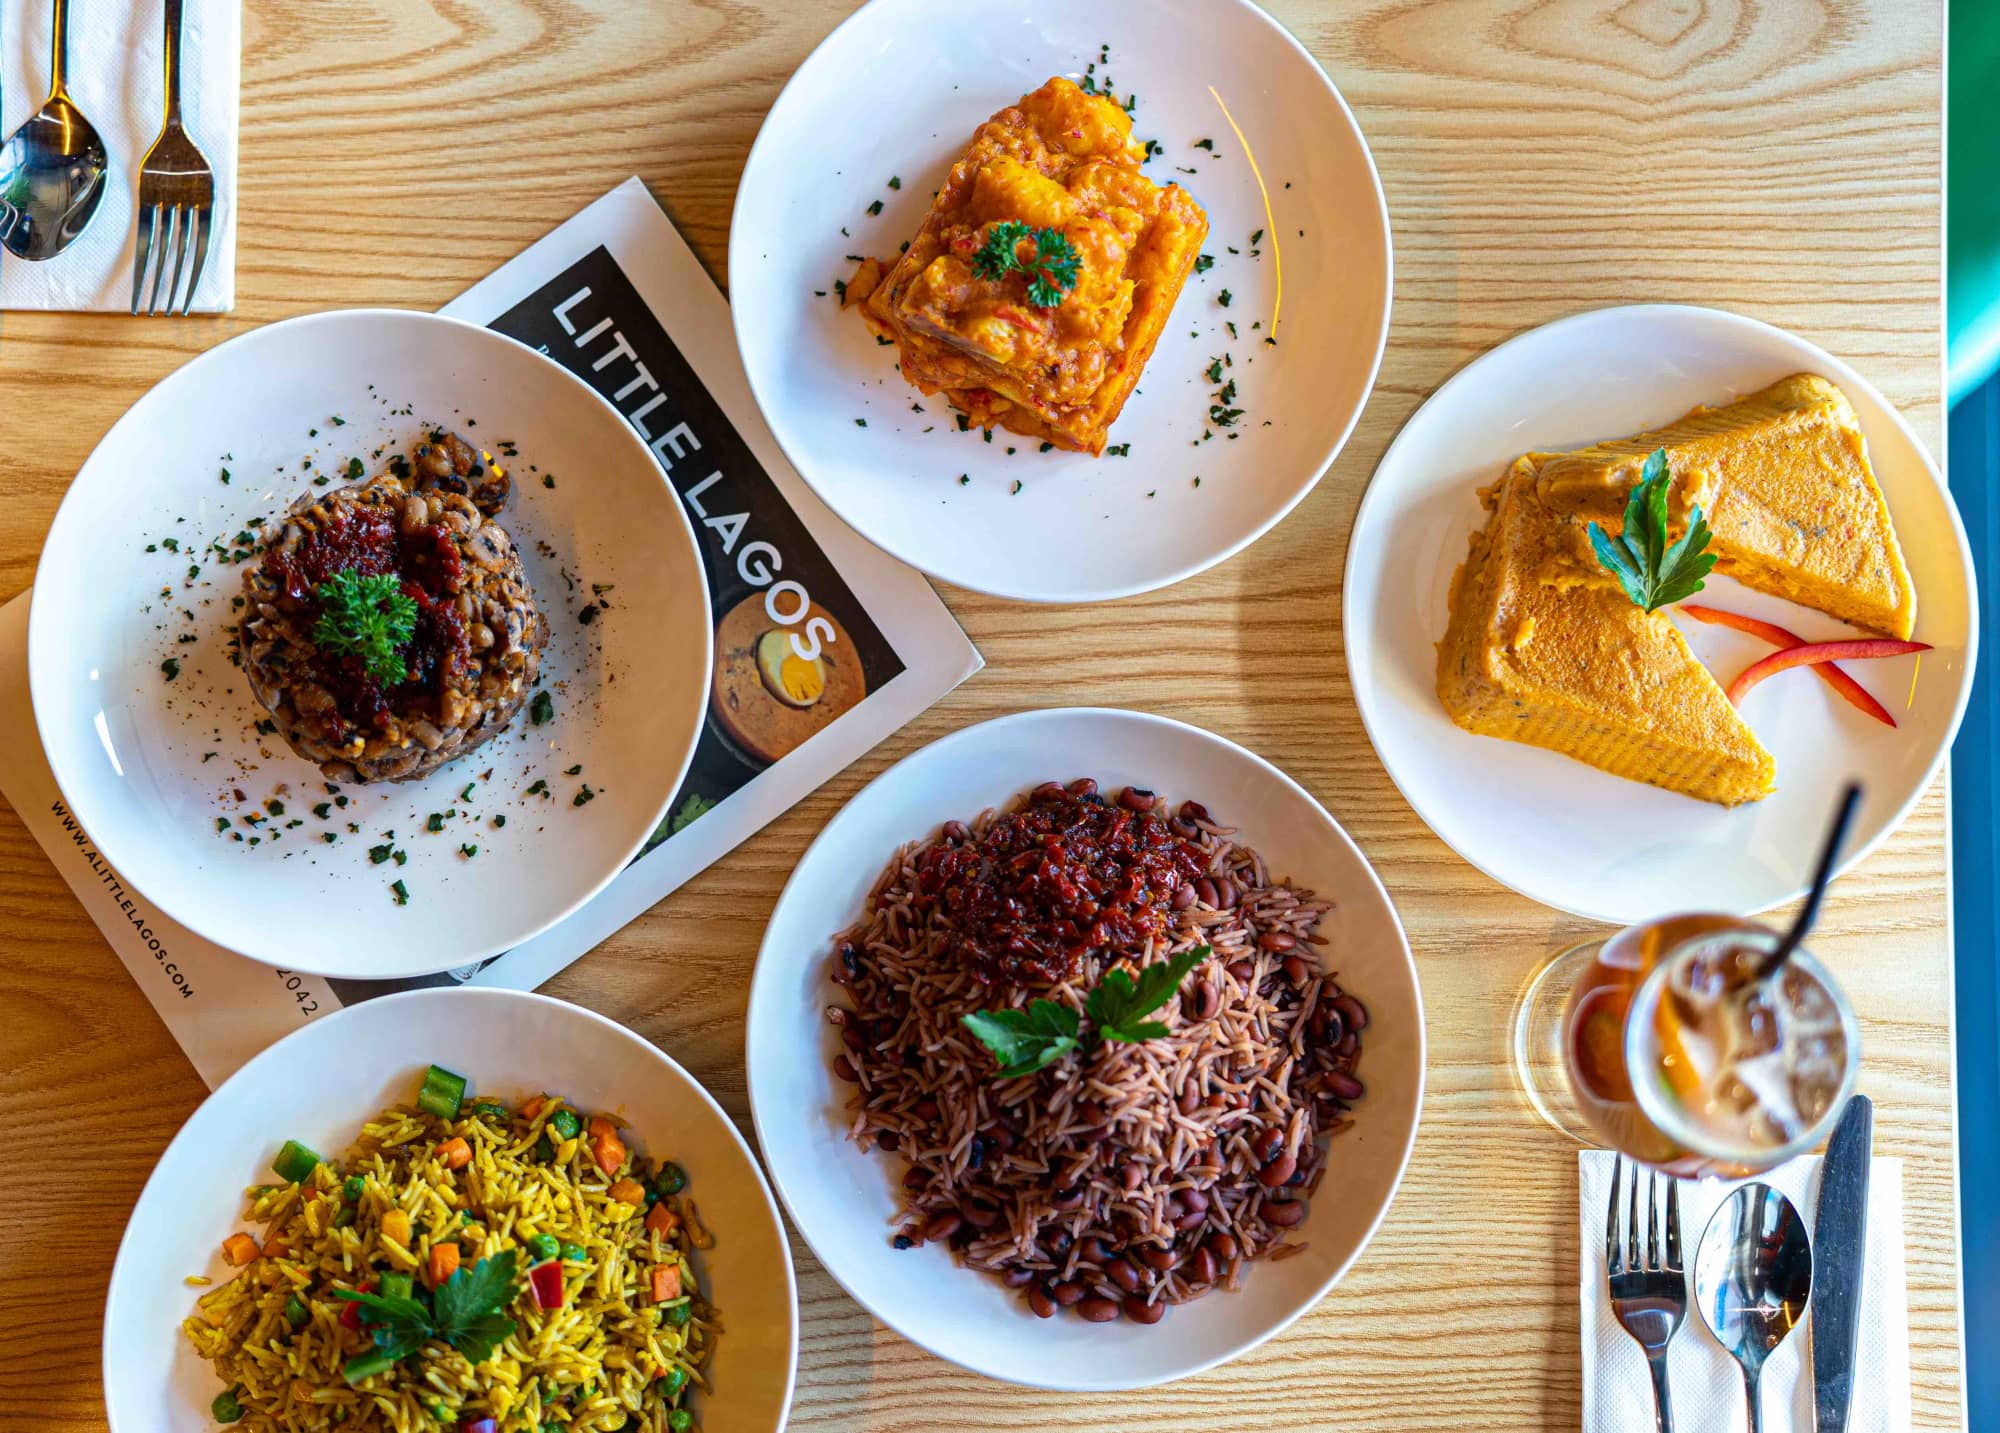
<point x="432" y="573"/>
<point x="1067" y="874"/>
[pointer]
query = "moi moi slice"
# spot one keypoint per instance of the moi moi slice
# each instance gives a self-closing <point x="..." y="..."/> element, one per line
<point x="1544" y="647"/>
<point x="1784" y="480"/>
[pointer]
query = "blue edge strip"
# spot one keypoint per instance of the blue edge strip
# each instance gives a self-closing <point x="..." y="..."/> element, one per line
<point x="1975" y="795"/>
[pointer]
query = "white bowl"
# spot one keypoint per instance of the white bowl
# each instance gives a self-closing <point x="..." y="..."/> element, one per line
<point x="1567" y="834"/>
<point x="148" y="765"/>
<point x="896" y="91"/>
<point x="320" y="1084"/>
<point x="843" y="1198"/>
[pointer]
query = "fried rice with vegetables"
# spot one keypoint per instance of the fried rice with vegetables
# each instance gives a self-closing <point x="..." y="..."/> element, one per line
<point x="466" y="1266"/>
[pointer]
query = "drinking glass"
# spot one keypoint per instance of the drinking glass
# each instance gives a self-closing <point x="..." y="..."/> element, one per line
<point x="1665" y="1042"/>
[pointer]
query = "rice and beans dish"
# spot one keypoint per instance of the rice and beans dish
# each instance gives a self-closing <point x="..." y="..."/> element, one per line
<point x="467" y="1266"/>
<point x="1098" y="1034"/>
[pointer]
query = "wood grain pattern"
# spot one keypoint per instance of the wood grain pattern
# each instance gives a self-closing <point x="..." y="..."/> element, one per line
<point x="1540" y="156"/>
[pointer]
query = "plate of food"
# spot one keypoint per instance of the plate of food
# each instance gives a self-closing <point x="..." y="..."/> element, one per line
<point x="369" y="643"/>
<point x="465" y="1208"/>
<point x="1085" y="1049"/>
<point x="1073" y="306"/>
<point x="1621" y="636"/>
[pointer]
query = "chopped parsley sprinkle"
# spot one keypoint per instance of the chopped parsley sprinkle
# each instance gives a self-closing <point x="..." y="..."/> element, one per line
<point x="1015" y="489"/>
<point x="1118" y="450"/>
<point x="964" y="479"/>
<point x="576" y="770"/>
<point x="434" y="822"/>
<point x="276" y="808"/>
<point x="401" y="892"/>
<point x="1207" y="144"/>
<point x="1215" y="371"/>
<point x="381" y="853"/>
<point x="540" y="788"/>
<point x="499" y="821"/>
<point x="466" y="795"/>
<point x="1223" y="298"/>
<point x="583" y="795"/>
<point x="354" y="468"/>
<point x="172" y="667"/>
<point x="1045" y="447"/>
<point x="1203" y="263"/>
<point x="875" y="208"/>
<point x="468" y="851"/>
<point x="895" y="181"/>
<point x="548" y="480"/>
<point x="542" y="708"/>
<point x="222" y="823"/>
<point x="861" y="422"/>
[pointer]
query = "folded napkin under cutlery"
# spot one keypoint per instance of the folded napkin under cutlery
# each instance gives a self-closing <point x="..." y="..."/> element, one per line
<point x="1707" y="1386"/>
<point x="116" y="77"/>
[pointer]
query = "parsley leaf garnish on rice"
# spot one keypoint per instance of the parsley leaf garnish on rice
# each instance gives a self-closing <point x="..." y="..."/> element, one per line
<point x="467" y="1314"/>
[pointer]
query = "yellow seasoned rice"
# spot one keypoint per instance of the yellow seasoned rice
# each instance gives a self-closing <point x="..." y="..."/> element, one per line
<point x="600" y="1362"/>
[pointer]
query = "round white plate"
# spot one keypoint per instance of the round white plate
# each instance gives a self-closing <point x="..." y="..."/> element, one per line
<point x="843" y="1198"/>
<point x="149" y="765"/>
<point x="1567" y="834"/>
<point x="896" y="92"/>
<point x="321" y="1083"/>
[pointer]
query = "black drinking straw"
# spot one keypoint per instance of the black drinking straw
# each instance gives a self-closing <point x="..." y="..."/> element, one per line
<point x="1822" y="878"/>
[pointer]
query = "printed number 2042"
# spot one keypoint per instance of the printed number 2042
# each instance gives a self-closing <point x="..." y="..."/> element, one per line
<point x="308" y="1003"/>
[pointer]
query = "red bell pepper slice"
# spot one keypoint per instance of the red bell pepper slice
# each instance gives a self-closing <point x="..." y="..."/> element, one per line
<point x="545" y="1281"/>
<point x="479" y="1425"/>
<point x="1813" y="653"/>
<point x="350" y="1312"/>
<point x="1833" y="673"/>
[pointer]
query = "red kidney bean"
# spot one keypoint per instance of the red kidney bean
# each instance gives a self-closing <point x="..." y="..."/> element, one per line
<point x="1190" y="1100"/>
<point x="1183" y="897"/>
<point x="1216" y="1101"/>
<point x="1222" y="1245"/>
<point x="942" y="1225"/>
<point x="955" y="832"/>
<point x="978" y="1215"/>
<point x="1200" y="1268"/>
<point x="1191" y="1220"/>
<point x="1157" y="1259"/>
<point x="1069" y="1199"/>
<point x="844" y="1068"/>
<point x="1018" y="1277"/>
<point x="1347" y="1044"/>
<point x="1241" y="970"/>
<point x="1204" y="891"/>
<point x="1082" y="787"/>
<point x="1098" y="1311"/>
<point x="1132" y="1176"/>
<point x="1283" y="1213"/>
<point x="1332" y="1029"/>
<point x="1000" y="1138"/>
<point x="1275" y="940"/>
<point x="886" y="1139"/>
<point x="1141" y="1312"/>
<point x="916" y="1177"/>
<point x="1225" y="893"/>
<point x="1343" y="1085"/>
<point x="1207" y="1000"/>
<point x="925" y="1108"/>
<point x="1040" y="1302"/>
<point x="1093" y="1250"/>
<point x="1183" y="828"/>
<point x="1070" y="1293"/>
<point x="850" y="1036"/>
<point x="1296" y="970"/>
<point x="1134" y="798"/>
<point x="1195" y="811"/>
<point x="1266" y="1144"/>
<point x="1125" y="1275"/>
<point x="1047" y="791"/>
<point x="1277" y="1171"/>
<point x="1352" y="1011"/>
<point x="1193" y="1200"/>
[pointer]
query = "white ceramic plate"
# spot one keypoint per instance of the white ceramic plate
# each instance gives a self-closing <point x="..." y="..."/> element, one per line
<point x="1567" y="834"/>
<point x="150" y="765"/>
<point x="321" y="1083"/>
<point x="896" y="92"/>
<point x="843" y="1198"/>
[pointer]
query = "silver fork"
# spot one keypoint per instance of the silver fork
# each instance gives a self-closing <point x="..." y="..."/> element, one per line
<point x="176" y="194"/>
<point x="1648" y="1286"/>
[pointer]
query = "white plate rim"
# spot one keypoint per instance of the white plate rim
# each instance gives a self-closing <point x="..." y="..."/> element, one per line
<point x="271" y="1058"/>
<point x="1849" y="378"/>
<point x="171" y="903"/>
<point x="915" y="556"/>
<point x="760" y="990"/>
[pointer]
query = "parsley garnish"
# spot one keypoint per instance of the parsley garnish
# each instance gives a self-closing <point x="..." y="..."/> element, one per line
<point x="1652" y="573"/>
<point x="542" y="708"/>
<point x="1024" y="1041"/>
<point x="465" y="1313"/>
<point x="367" y="617"/>
<point x="1051" y="271"/>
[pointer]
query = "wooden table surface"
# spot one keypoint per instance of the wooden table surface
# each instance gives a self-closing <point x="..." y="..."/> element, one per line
<point x="1539" y="156"/>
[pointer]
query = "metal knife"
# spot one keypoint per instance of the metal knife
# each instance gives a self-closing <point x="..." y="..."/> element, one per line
<point x="1840" y="1243"/>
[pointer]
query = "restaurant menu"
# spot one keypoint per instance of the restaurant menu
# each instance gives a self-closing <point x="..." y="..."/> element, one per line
<point x="618" y="298"/>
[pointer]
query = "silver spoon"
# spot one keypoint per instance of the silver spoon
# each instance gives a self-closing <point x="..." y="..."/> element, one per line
<point x="52" y="168"/>
<point x="1752" y="1278"/>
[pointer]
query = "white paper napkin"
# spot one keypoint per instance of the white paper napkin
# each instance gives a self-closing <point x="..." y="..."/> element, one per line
<point x="1707" y="1386"/>
<point x="116" y="55"/>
